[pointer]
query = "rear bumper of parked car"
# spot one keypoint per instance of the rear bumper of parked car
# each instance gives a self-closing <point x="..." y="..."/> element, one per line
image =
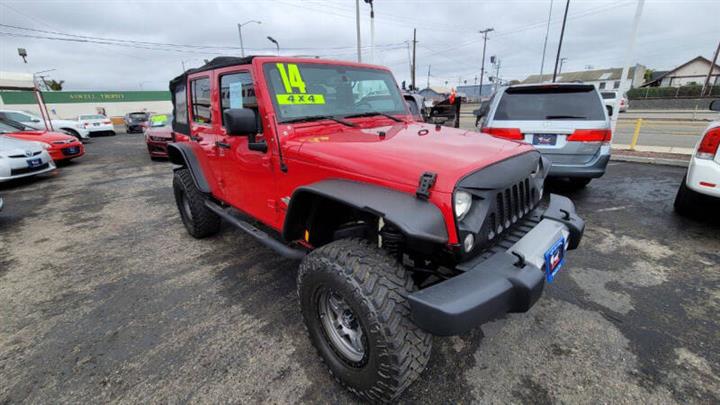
<point x="703" y="176"/>
<point x="135" y="127"/>
<point x="101" y="129"/>
<point x="510" y="280"/>
<point x="593" y="169"/>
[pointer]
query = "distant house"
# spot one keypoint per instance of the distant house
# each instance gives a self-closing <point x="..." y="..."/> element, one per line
<point x="693" y="71"/>
<point x="435" y="93"/>
<point x="472" y="91"/>
<point x="603" y="79"/>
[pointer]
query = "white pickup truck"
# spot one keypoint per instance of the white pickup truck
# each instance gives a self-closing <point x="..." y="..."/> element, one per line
<point x="702" y="181"/>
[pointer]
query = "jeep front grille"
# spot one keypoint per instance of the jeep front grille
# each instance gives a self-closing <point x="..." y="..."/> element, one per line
<point x="511" y="205"/>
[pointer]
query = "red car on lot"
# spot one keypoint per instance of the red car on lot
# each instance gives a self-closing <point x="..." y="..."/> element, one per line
<point x="60" y="146"/>
<point x="158" y="134"/>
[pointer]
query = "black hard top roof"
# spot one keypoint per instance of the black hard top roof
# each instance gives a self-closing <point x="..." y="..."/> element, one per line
<point x="216" y="63"/>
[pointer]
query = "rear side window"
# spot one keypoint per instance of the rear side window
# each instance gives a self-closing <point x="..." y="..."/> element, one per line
<point x="200" y="99"/>
<point x="539" y="104"/>
<point x="180" y="105"/>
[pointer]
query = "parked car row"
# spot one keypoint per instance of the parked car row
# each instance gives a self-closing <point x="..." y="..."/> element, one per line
<point x="26" y="151"/>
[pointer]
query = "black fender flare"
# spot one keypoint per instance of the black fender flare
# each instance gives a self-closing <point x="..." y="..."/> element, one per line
<point x="415" y="218"/>
<point x="182" y="154"/>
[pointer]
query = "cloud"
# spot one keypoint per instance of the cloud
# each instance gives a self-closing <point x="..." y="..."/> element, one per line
<point x="671" y="32"/>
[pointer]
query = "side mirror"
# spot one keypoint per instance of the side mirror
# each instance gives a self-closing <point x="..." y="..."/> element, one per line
<point x="241" y="121"/>
<point x="609" y="110"/>
<point x="715" y="105"/>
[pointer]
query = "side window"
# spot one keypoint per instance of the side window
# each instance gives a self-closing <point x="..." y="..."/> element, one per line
<point x="616" y="85"/>
<point x="17" y="117"/>
<point x="602" y="85"/>
<point x="237" y="91"/>
<point x="180" y="105"/>
<point x="200" y="100"/>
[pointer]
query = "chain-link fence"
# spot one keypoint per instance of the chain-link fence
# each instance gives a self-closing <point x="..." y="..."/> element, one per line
<point x="672" y="92"/>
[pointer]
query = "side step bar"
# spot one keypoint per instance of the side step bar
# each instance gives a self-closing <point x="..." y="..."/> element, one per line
<point x="256" y="233"/>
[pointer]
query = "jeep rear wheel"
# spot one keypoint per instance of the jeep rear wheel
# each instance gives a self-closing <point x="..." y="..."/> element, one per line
<point x="199" y="221"/>
<point x="353" y="301"/>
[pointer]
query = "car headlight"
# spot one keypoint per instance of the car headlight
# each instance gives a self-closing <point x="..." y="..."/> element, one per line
<point x="463" y="201"/>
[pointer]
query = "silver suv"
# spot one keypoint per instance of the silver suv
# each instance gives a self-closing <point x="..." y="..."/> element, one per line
<point x="566" y="122"/>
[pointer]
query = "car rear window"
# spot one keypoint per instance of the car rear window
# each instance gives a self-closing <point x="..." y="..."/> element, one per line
<point x="549" y="103"/>
<point x="608" y="95"/>
<point x="139" y="116"/>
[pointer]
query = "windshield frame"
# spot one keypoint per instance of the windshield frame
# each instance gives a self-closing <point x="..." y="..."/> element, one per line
<point x="267" y="65"/>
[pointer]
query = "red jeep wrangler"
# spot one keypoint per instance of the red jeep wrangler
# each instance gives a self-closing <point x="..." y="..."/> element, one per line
<point x="404" y="229"/>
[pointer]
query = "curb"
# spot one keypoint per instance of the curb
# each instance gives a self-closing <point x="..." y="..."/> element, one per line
<point x="650" y="160"/>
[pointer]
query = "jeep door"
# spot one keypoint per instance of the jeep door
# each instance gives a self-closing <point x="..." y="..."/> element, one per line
<point x="246" y="175"/>
<point x="202" y="121"/>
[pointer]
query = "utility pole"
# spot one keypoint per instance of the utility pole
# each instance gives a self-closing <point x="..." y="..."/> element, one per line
<point x="562" y="34"/>
<point x="547" y="32"/>
<point x="413" y="57"/>
<point x="628" y="59"/>
<point x="562" y="62"/>
<point x="372" y="31"/>
<point x="428" y="79"/>
<point x="357" y="28"/>
<point x="482" y="65"/>
<point x="712" y="67"/>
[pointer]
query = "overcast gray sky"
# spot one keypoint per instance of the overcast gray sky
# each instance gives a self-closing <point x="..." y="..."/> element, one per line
<point x="671" y="32"/>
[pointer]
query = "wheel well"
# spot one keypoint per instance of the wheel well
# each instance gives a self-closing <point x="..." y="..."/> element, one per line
<point x="70" y="130"/>
<point x="320" y="220"/>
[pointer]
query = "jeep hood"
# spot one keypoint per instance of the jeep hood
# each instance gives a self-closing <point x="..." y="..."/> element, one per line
<point x="403" y="154"/>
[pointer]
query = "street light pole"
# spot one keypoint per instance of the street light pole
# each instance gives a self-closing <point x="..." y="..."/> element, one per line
<point x="562" y="34"/>
<point x="547" y="32"/>
<point x="242" y="47"/>
<point x="628" y="59"/>
<point x="482" y="65"/>
<point x="271" y="39"/>
<point x="562" y="62"/>
<point x="357" y="29"/>
<point x="372" y="31"/>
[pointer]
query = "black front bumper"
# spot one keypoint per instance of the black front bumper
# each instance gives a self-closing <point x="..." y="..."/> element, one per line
<point x="491" y="286"/>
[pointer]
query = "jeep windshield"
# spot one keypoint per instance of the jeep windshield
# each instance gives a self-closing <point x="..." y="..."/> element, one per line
<point x="309" y="91"/>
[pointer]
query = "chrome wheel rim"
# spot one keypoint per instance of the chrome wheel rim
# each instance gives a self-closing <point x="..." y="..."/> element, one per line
<point x="341" y="326"/>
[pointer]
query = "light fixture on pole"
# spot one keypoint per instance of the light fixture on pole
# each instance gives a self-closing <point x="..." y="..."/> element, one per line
<point x="242" y="47"/>
<point x="372" y="30"/>
<point x="23" y="54"/>
<point x="271" y="39"/>
<point x="482" y="65"/>
<point x="562" y="62"/>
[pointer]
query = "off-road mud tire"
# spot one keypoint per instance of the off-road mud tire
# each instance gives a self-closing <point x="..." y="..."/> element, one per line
<point x="199" y="221"/>
<point x="375" y="287"/>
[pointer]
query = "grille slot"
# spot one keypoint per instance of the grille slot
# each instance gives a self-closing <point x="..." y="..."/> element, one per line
<point x="511" y="205"/>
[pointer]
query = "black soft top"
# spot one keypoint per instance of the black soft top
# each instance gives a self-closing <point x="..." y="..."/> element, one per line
<point x="216" y="63"/>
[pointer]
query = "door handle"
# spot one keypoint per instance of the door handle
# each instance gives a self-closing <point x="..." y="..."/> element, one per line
<point x="222" y="145"/>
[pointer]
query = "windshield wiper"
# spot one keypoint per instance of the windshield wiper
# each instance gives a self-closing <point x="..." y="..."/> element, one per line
<point x="318" y="118"/>
<point x="561" y="117"/>
<point x="372" y="113"/>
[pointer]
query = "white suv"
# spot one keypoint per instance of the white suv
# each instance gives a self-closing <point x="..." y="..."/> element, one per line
<point x="702" y="180"/>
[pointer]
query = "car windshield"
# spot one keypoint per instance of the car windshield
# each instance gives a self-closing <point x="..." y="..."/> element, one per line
<point x="92" y="117"/>
<point x="550" y="103"/>
<point x="308" y="90"/>
<point x="159" y="120"/>
<point x="8" y="127"/>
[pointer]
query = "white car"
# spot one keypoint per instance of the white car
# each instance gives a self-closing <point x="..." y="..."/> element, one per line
<point x="70" y="127"/>
<point x="702" y="181"/>
<point x="22" y="158"/>
<point x="97" y="124"/>
<point x="614" y="100"/>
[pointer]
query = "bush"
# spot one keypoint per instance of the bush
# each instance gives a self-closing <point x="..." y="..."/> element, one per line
<point x="691" y="90"/>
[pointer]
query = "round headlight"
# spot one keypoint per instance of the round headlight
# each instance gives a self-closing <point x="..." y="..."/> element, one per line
<point x="463" y="201"/>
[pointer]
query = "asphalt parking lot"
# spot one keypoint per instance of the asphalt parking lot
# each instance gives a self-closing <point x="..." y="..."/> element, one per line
<point x="105" y="297"/>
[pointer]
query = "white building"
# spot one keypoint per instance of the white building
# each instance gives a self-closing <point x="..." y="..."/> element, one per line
<point x="691" y="72"/>
<point x="603" y="79"/>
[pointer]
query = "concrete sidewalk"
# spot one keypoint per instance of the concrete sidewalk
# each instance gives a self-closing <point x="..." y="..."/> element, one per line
<point x="661" y="155"/>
